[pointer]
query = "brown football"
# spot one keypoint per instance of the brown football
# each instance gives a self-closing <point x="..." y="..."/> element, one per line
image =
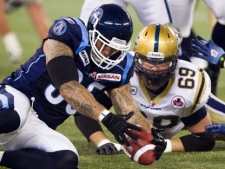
<point x="142" y="150"/>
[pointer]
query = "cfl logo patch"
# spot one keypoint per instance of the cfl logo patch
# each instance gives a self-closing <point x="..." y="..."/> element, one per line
<point x="134" y="90"/>
<point x="59" y="28"/>
<point x="214" y="53"/>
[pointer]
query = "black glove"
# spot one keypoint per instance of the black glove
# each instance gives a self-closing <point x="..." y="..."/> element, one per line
<point x="106" y="149"/>
<point x="160" y="144"/>
<point x="118" y="126"/>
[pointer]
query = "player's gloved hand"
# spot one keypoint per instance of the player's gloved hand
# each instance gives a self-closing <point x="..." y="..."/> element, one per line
<point x="160" y="144"/>
<point x="208" y="50"/>
<point x="216" y="129"/>
<point x="118" y="126"/>
<point x="106" y="147"/>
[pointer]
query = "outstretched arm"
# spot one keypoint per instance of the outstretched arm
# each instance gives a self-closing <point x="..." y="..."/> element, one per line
<point x="123" y="104"/>
<point x="198" y="140"/>
<point x="64" y="74"/>
<point x="209" y="51"/>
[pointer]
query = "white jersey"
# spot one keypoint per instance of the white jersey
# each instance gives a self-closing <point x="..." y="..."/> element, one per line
<point x="187" y="91"/>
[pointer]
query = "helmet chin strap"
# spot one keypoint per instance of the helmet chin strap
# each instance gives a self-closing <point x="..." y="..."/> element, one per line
<point x="156" y="90"/>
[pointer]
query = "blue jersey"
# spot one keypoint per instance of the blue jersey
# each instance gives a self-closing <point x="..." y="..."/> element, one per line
<point x="33" y="80"/>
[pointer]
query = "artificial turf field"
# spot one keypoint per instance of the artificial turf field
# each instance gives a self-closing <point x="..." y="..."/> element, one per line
<point x="26" y="33"/>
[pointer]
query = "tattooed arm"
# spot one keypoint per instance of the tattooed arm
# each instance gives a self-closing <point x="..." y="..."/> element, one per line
<point x="123" y="104"/>
<point x="74" y="93"/>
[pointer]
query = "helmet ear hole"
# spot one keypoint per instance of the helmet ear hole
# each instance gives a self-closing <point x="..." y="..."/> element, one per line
<point x="113" y="26"/>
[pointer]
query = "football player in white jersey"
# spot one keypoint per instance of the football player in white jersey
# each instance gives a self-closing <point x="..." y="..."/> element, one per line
<point x="171" y="93"/>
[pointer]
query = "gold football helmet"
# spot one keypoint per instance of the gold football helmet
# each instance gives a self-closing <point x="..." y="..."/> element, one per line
<point x="156" y="44"/>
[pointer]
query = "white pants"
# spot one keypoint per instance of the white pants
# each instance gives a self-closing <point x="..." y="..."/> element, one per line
<point x="32" y="133"/>
<point x="182" y="12"/>
<point x="148" y="11"/>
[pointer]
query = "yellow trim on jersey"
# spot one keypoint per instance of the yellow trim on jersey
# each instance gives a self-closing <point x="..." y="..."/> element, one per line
<point x="200" y="89"/>
<point x="216" y="118"/>
<point x="158" y="98"/>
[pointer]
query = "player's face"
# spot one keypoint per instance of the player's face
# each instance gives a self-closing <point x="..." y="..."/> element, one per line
<point x="105" y="50"/>
<point x="154" y="68"/>
<point x="153" y="71"/>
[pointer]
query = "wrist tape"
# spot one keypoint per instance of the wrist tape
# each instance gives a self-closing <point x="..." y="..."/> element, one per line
<point x="168" y="146"/>
<point x="103" y="114"/>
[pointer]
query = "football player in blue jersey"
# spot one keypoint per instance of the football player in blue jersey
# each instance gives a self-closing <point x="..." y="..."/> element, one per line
<point x="72" y="64"/>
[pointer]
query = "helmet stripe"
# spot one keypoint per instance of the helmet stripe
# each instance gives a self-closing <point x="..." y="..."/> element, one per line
<point x="156" y="46"/>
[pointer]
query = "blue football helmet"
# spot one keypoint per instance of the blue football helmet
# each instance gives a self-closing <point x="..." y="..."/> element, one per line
<point x="113" y="26"/>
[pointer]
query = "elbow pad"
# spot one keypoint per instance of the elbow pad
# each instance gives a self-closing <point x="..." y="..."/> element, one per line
<point x="198" y="142"/>
<point x="62" y="69"/>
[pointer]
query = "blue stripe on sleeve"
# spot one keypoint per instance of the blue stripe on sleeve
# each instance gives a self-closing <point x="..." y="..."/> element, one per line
<point x="84" y="31"/>
<point x="129" y="63"/>
<point x="215" y="104"/>
<point x="31" y="64"/>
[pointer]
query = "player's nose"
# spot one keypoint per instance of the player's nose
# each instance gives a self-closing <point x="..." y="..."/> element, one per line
<point x="107" y="51"/>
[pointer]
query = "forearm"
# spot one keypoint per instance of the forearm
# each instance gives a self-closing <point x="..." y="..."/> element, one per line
<point x="81" y="100"/>
<point x="192" y="142"/>
<point x="123" y="104"/>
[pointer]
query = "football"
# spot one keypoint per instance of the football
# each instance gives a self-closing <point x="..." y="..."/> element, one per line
<point x="142" y="150"/>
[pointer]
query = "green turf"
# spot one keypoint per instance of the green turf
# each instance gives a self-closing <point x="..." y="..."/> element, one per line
<point x="22" y="26"/>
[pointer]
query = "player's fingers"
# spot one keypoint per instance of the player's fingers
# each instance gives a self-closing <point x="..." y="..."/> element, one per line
<point x="210" y="127"/>
<point x="198" y="46"/>
<point x="199" y="50"/>
<point x="113" y="149"/>
<point x="132" y="126"/>
<point x="117" y="137"/>
<point x="202" y="40"/>
<point x="131" y="135"/>
<point x="125" y="140"/>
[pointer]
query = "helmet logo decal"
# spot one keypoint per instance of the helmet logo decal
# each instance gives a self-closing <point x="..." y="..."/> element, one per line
<point x="96" y="15"/>
<point x="155" y="55"/>
<point x="178" y="102"/>
<point x="59" y="28"/>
